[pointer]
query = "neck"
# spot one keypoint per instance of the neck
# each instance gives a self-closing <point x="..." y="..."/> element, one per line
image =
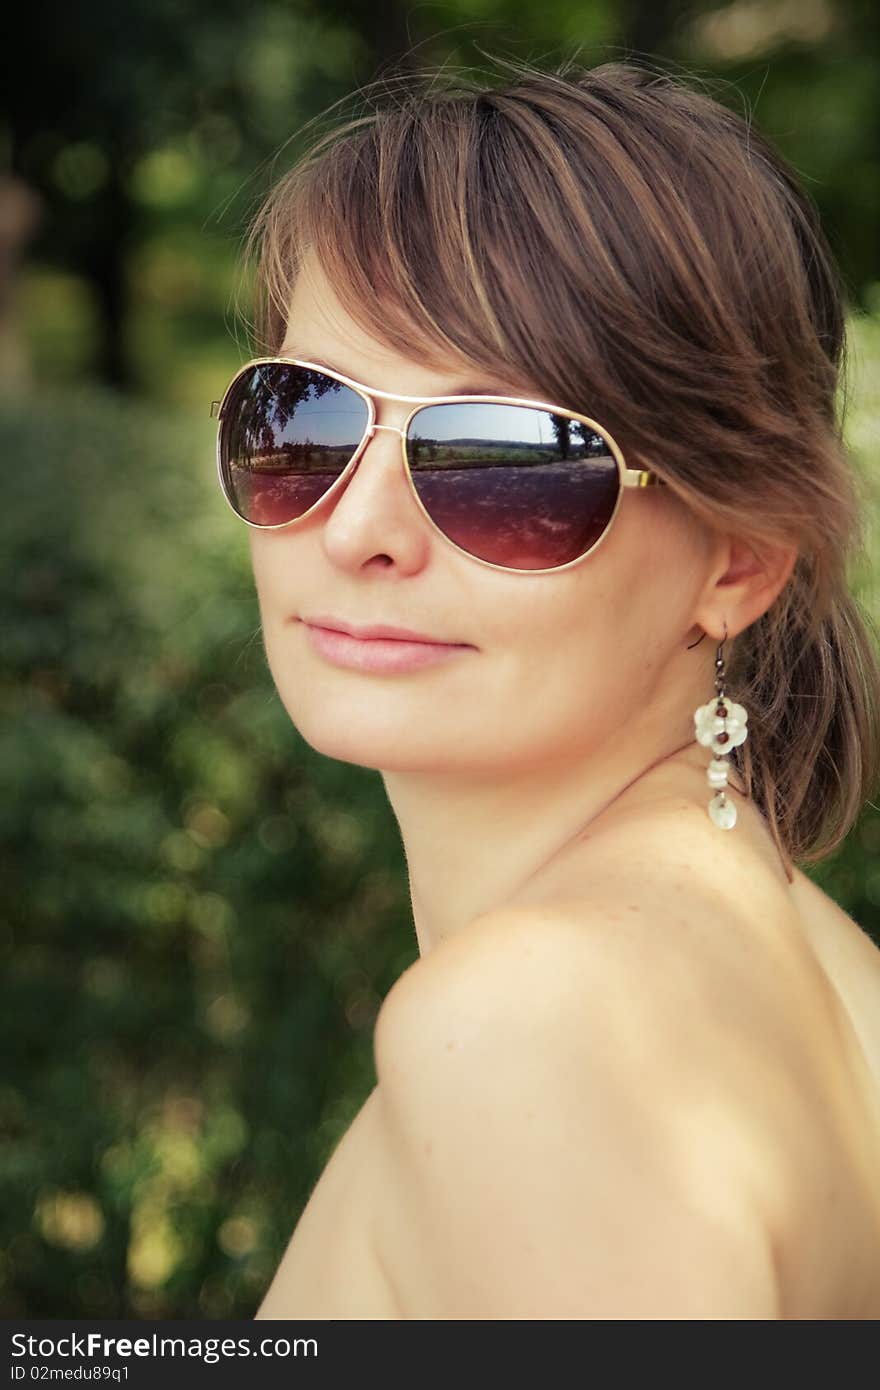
<point x="473" y="844"/>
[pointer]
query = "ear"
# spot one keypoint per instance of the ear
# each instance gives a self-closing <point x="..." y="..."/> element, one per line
<point x="744" y="581"/>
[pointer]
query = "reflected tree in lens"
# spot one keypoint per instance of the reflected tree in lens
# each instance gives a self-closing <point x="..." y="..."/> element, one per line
<point x="283" y="449"/>
<point x="264" y="409"/>
<point x="562" y="431"/>
<point x="593" y="444"/>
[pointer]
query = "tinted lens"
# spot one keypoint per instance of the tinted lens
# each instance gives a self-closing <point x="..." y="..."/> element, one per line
<point x="285" y="436"/>
<point x="512" y="484"/>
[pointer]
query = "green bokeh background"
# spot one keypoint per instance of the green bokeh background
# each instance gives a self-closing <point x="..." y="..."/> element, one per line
<point x="201" y="915"/>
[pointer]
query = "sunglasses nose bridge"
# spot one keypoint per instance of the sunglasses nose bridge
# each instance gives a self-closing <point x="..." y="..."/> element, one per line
<point x="395" y="429"/>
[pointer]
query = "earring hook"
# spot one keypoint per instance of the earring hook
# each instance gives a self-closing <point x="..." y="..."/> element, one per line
<point x="691" y="645"/>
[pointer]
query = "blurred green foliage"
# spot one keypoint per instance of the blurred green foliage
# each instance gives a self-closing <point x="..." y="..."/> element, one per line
<point x="202" y="915"/>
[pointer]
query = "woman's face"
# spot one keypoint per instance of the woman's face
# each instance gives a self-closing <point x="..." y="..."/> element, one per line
<point x="550" y="666"/>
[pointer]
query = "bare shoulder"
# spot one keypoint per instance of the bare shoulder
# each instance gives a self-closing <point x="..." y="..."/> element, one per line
<point x="631" y="1077"/>
<point x="564" y="1090"/>
<point x="658" y="909"/>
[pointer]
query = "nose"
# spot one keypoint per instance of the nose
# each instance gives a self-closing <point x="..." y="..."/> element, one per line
<point x="375" y="519"/>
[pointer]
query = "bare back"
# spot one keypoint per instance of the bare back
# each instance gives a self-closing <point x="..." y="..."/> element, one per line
<point x="342" y="1261"/>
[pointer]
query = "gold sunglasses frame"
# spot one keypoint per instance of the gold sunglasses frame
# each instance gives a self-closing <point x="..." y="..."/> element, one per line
<point x="629" y="477"/>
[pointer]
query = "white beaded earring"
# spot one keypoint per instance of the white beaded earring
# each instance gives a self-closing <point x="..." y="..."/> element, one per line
<point x="721" y="726"/>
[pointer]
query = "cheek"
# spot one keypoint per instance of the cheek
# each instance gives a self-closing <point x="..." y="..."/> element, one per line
<point x="261" y="553"/>
<point x="577" y="655"/>
<point x="574" y="673"/>
<point x="558" y="668"/>
<point x="275" y="564"/>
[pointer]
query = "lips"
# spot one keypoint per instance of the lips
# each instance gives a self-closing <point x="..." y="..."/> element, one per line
<point x="378" y="630"/>
<point x="381" y="655"/>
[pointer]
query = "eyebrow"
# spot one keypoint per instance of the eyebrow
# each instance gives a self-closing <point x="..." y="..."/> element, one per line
<point x="468" y="389"/>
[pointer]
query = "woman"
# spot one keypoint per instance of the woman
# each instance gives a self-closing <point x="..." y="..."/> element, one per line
<point x="635" y="1071"/>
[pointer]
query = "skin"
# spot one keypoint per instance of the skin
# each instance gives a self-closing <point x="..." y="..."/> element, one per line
<point x="576" y="683"/>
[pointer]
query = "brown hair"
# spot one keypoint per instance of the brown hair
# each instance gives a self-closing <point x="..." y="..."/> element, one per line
<point x="617" y="236"/>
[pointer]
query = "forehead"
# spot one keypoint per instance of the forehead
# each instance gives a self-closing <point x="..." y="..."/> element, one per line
<point x="320" y="330"/>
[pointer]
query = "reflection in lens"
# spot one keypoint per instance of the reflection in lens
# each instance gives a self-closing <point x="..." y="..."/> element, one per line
<point x="286" y="435"/>
<point x="513" y="485"/>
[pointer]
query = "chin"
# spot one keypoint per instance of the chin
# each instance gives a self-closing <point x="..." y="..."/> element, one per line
<point x="350" y="729"/>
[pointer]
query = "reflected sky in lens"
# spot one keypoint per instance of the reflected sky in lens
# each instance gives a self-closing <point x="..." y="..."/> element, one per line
<point x="453" y="434"/>
<point x="288" y="404"/>
<point x="483" y="420"/>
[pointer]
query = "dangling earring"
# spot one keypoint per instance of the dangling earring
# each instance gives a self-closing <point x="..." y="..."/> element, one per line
<point x="721" y="725"/>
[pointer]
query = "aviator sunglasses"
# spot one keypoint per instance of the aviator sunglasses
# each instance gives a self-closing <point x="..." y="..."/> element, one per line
<point x="516" y="484"/>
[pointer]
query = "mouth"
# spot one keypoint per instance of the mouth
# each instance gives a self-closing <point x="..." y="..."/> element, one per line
<point x="378" y="632"/>
<point x="382" y="651"/>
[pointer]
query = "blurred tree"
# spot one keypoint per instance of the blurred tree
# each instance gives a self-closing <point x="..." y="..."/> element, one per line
<point x="109" y="101"/>
<point x="19" y="216"/>
<point x="119" y="82"/>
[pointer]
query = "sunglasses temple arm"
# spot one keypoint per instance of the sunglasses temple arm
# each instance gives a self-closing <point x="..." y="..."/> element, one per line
<point x="641" y="477"/>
